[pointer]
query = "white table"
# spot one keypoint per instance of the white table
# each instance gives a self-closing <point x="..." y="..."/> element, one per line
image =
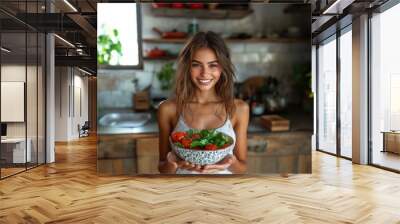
<point x="18" y="149"/>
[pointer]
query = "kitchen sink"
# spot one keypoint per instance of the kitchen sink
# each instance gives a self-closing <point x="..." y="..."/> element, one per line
<point x="125" y="119"/>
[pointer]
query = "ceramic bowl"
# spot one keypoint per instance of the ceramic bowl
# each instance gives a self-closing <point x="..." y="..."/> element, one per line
<point x="200" y="156"/>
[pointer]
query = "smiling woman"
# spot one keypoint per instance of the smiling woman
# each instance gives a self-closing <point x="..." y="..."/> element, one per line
<point x="204" y="100"/>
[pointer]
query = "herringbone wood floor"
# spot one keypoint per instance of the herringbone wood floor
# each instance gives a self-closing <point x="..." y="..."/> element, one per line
<point x="69" y="191"/>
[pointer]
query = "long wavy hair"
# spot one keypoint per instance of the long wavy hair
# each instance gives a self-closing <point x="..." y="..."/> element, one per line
<point x="184" y="88"/>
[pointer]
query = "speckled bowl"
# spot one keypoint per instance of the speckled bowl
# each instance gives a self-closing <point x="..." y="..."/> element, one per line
<point x="202" y="157"/>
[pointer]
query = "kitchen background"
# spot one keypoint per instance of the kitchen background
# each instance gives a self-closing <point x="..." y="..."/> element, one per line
<point x="271" y="50"/>
<point x="287" y="53"/>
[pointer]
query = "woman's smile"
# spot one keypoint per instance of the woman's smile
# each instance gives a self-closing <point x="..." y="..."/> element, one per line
<point x="205" y="82"/>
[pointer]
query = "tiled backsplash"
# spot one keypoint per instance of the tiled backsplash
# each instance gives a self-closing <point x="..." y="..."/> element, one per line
<point x="116" y="87"/>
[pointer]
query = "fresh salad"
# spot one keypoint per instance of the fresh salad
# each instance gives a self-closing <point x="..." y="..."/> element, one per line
<point x="201" y="139"/>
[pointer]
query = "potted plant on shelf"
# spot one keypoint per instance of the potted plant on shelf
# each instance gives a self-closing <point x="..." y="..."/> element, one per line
<point x="166" y="76"/>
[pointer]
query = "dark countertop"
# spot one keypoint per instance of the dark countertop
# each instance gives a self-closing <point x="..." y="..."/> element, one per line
<point x="299" y="122"/>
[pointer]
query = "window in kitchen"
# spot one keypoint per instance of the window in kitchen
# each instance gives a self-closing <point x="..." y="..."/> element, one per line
<point x="385" y="89"/>
<point x="118" y="35"/>
<point x="326" y="59"/>
<point x="346" y="92"/>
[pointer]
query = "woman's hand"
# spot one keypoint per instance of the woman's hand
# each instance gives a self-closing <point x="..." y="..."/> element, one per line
<point x="182" y="164"/>
<point x="221" y="165"/>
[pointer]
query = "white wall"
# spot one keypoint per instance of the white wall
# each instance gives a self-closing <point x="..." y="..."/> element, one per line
<point x="69" y="82"/>
<point x="61" y="103"/>
<point x="15" y="73"/>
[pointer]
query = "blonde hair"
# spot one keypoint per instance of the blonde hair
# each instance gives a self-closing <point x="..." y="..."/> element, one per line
<point x="184" y="88"/>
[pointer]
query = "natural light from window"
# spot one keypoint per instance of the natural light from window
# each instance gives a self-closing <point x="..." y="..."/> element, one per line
<point x="385" y="84"/>
<point x="327" y="96"/>
<point x="117" y="34"/>
<point x="346" y="94"/>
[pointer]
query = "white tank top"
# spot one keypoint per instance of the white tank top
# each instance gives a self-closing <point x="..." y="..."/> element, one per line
<point x="226" y="128"/>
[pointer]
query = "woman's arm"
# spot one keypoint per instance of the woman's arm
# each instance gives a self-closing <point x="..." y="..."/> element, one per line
<point x="164" y="115"/>
<point x="239" y="164"/>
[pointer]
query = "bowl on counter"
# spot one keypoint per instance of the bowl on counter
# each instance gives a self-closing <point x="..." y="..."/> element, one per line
<point x="125" y="119"/>
<point x="257" y="108"/>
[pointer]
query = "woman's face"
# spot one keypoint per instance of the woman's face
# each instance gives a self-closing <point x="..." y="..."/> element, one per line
<point x="205" y="69"/>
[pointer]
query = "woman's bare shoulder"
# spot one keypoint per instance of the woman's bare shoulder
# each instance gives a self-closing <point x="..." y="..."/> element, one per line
<point x="241" y="111"/>
<point x="241" y="106"/>
<point x="167" y="107"/>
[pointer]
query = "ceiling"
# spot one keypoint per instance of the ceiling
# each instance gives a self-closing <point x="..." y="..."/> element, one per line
<point x="72" y="20"/>
<point x="337" y="14"/>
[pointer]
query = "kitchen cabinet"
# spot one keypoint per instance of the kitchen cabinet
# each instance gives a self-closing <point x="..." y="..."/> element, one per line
<point x="281" y="152"/>
<point x="285" y="152"/>
<point x="135" y="150"/>
<point x="147" y="155"/>
<point x="116" y="155"/>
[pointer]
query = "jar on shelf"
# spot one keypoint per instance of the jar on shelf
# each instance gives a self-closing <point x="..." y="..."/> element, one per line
<point x="193" y="27"/>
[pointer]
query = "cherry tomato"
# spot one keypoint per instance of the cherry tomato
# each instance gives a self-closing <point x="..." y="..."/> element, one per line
<point x="210" y="147"/>
<point x="178" y="136"/>
<point x="186" y="142"/>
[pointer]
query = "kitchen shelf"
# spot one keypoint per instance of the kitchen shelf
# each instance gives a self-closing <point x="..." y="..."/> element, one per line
<point x="168" y="58"/>
<point x="229" y="40"/>
<point x="202" y="13"/>
<point x="265" y="40"/>
<point x="161" y="40"/>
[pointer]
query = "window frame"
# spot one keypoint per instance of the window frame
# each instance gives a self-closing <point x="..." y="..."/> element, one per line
<point x="378" y="10"/>
<point x="339" y="32"/>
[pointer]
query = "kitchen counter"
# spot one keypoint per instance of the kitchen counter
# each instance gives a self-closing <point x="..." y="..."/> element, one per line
<point x="131" y="151"/>
<point x="298" y="123"/>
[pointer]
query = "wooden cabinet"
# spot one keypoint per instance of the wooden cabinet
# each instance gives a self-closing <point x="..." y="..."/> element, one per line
<point x="127" y="155"/>
<point x="147" y="155"/>
<point x="285" y="152"/>
<point x="116" y="155"/>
